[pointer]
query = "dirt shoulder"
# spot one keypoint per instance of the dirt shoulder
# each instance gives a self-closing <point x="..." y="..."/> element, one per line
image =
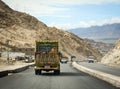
<point x="13" y="66"/>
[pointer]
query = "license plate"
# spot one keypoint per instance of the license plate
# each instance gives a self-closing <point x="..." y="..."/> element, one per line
<point x="47" y="67"/>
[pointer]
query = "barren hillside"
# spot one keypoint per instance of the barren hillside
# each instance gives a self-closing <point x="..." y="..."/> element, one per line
<point x="21" y="30"/>
<point x="101" y="46"/>
<point x="113" y="57"/>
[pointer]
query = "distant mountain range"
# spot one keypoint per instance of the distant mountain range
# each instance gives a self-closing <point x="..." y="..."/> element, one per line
<point x="106" y="33"/>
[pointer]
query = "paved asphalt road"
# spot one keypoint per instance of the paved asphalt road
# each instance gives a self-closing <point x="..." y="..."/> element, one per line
<point x="69" y="78"/>
<point x="102" y="67"/>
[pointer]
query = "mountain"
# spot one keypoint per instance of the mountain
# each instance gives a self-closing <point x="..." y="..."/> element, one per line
<point x="106" y="33"/>
<point x="113" y="57"/>
<point x="101" y="46"/>
<point x="19" y="29"/>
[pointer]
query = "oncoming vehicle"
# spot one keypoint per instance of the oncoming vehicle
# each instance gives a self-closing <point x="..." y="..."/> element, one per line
<point x="91" y="59"/>
<point x="73" y="58"/>
<point x="64" y="60"/>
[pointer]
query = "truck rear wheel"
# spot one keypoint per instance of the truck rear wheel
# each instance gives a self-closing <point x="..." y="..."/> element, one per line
<point x="57" y="72"/>
<point x="37" y="72"/>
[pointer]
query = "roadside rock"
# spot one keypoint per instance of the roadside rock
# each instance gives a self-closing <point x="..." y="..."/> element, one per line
<point x="113" y="57"/>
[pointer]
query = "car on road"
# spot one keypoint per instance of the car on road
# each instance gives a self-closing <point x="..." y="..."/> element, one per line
<point x="90" y="60"/>
<point x="63" y="60"/>
<point x="73" y="58"/>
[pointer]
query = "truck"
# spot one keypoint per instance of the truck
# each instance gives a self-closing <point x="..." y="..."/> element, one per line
<point x="47" y="57"/>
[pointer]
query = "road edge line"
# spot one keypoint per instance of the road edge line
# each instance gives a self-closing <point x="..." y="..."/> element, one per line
<point x="112" y="79"/>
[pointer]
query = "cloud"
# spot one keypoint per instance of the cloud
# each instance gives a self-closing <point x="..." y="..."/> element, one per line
<point x="55" y="8"/>
<point x="74" y="2"/>
<point x="45" y="11"/>
<point x="111" y="21"/>
<point x="49" y="7"/>
<point x="37" y="7"/>
<point x="85" y="24"/>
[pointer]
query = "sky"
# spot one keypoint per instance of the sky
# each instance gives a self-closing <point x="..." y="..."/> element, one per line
<point x="69" y="14"/>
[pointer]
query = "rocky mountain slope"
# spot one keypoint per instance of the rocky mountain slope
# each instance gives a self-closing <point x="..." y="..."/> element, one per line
<point x="21" y="30"/>
<point x="113" y="57"/>
<point x="101" y="46"/>
<point x="108" y="33"/>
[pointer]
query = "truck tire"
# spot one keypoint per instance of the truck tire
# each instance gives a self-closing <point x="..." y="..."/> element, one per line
<point x="37" y="72"/>
<point x="57" y="72"/>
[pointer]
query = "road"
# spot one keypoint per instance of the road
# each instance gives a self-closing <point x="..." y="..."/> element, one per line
<point x="69" y="78"/>
<point x="102" y="67"/>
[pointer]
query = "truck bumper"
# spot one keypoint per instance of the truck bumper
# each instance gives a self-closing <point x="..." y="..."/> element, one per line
<point x="46" y="68"/>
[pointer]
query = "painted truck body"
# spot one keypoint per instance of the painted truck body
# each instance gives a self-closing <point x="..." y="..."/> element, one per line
<point x="47" y="57"/>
